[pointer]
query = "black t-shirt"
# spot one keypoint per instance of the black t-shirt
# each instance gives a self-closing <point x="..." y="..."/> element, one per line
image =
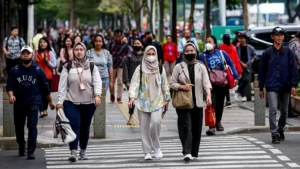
<point x="191" y="69"/>
<point x="244" y="54"/>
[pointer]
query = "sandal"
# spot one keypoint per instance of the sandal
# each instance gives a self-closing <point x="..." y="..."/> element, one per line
<point x="42" y="114"/>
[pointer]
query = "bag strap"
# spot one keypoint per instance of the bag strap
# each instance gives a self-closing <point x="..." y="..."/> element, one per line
<point x="205" y="62"/>
<point x="184" y="73"/>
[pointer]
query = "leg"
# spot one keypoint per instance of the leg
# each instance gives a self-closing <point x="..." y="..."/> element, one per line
<point x="120" y="84"/>
<point x="155" y="126"/>
<point x="227" y="95"/>
<point x="112" y="91"/>
<point x="284" y="101"/>
<point x="19" y="120"/>
<point x="9" y="65"/>
<point x="185" y="130"/>
<point x="197" y="119"/>
<point x="106" y="82"/>
<point x="72" y="112"/>
<point x="242" y="86"/>
<point x="32" y="121"/>
<point x="167" y="68"/>
<point x="172" y="65"/>
<point x="86" y="114"/>
<point x="272" y="97"/>
<point x="220" y="97"/>
<point x="144" y="119"/>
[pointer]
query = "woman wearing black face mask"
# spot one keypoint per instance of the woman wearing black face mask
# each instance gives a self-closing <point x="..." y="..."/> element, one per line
<point x="131" y="62"/>
<point x="191" y="75"/>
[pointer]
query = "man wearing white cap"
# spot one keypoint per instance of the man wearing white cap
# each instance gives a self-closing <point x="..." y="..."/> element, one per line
<point x="25" y="83"/>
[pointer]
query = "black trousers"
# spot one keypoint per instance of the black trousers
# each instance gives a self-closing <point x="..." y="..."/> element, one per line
<point x="190" y="127"/>
<point x="131" y="110"/>
<point x="218" y="97"/>
<point x="10" y="63"/>
<point x="45" y="102"/>
<point x="20" y="115"/>
<point x="227" y="95"/>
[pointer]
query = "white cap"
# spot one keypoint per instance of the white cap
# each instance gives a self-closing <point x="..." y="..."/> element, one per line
<point x="27" y="48"/>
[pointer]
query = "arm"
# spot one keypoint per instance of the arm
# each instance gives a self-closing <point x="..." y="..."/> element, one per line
<point x="63" y="86"/>
<point x="180" y="46"/>
<point x="44" y="85"/>
<point x="135" y="84"/>
<point x="201" y="58"/>
<point x="293" y="70"/>
<point x="165" y="86"/>
<point x="10" y="84"/>
<point x="52" y="62"/>
<point x="62" y="55"/>
<point x="22" y="42"/>
<point x="262" y="70"/>
<point x="176" y="50"/>
<point x="174" y="83"/>
<point x="254" y="55"/>
<point x="110" y="67"/>
<point x="238" y="63"/>
<point x="97" y="82"/>
<point x="231" y="65"/>
<point x="205" y="79"/>
<point x="4" y="46"/>
<point x="125" y="71"/>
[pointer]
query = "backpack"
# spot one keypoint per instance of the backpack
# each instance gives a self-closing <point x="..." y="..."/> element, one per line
<point x="69" y="66"/>
<point x="20" y="43"/>
<point x="141" y="72"/>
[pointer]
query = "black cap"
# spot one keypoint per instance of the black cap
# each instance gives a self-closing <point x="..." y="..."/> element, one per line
<point x="242" y="35"/>
<point x="277" y="30"/>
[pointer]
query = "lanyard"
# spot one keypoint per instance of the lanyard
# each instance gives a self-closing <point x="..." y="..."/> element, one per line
<point x="79" y="74"/>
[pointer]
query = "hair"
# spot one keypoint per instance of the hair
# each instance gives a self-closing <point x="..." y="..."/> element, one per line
<point x="13" y="28"/>
<point x="65" y="47"/>
<point x="168" y="36"/>
<point x="134" y="30"/>
<point x="118" y="31"/>
<point x="148" y="33"/>
<point x="98" y="35"/>
<point x="48" y="44"/>
<point x="214" y="39"/>
<point x="140" y="40"/>
<point x="40" y="29"/>
<point x="76" y="37"/>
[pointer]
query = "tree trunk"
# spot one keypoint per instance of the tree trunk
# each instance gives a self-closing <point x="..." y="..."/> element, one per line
<point x="128" y="21"/>
<point x="161" y="20"/>
<point x="174" y="20"/>
<point x="207" y="18"/>
<point x="72" y="11"/>
<point x="191" y="18"/>
<point x="245" y="13"/>
<point x="138" y="20"/>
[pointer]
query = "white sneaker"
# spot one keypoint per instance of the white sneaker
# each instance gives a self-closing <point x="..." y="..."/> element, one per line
<point x="188" y="158"/>
<point x="244" y="99"/>
<point x="158" y="153"/>
<point x="148" y="156"/>
<point x="236" y="97"/>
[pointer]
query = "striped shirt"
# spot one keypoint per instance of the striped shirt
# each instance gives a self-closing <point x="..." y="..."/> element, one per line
<point x="13" y="46"/>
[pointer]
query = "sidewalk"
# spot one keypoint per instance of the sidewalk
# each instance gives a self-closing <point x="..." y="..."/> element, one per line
<point x="236" y="120"/>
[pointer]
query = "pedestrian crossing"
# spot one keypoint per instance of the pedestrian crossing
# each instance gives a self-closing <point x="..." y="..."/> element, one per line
<point x="215" y="152"/>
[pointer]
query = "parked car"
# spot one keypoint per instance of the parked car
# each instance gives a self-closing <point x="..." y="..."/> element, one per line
<point x="260" y="39"/>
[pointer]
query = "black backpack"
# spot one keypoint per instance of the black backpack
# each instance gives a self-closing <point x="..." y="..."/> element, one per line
<point x="20" y="43"/>
<point x="69" y="66"/>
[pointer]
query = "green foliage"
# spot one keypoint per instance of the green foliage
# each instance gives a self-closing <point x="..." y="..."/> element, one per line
<point x="201" y="46"/>
<point x="298" y="90"/>
<point x="234" y="4"/>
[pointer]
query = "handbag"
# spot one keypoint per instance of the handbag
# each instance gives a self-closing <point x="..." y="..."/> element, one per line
<point x="182" y="99"/>
<point x="217" y="77"/>
<point x="210" y="119"/>
<point x="230" y="77"/>
<point x="54" y="82"/>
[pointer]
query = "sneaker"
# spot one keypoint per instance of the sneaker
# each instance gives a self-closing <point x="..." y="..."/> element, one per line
<point x="30" y="156"/>
<point x="188" y="158"/>
<point x="228" y="104"/>
<point x="158" y="153"/>
<point x="244" y="99"/>
<point x="148" y="156"/>
<point x="211" y="132"/>
<point x="119" y="100"/>
<point x="220" y="127"/>
<point x="276" y="139"/>
<point x="83" y="155"/>
<point x="112" y="98"/>
<point x="73" y="156"/>
<point x="22" y="151"/>
<point x="281" y="137"/>
<point x="237" y="97"/>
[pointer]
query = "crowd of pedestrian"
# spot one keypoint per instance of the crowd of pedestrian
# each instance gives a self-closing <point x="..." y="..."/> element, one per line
<point x="152" y="72"/>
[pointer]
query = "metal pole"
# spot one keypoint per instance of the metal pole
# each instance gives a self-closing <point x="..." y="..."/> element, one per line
<point x="259" y="105"/>
<point x="222" y="10"/>
<point x="30" y="26"/>
<point x="184" y="17"/>
<point x="100" y="117"/>
<point x="8" y="116"/>
<point x="257" y="19"/>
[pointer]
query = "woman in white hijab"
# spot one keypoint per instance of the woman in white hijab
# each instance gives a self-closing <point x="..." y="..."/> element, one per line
<point x="149" y="90"/>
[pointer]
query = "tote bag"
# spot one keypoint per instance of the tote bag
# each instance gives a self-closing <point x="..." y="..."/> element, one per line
<point x="210" y="119"/>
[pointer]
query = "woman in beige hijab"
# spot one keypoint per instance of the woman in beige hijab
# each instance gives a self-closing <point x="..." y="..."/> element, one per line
<point x="149" y="91"/>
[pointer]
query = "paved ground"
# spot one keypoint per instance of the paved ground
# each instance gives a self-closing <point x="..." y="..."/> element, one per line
<point x="240" y="151"/>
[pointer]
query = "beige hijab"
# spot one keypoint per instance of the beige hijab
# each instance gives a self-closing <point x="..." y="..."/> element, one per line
<point x="150" y="70"/>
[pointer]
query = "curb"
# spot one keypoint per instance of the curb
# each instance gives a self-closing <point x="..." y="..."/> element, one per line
<point x="261" y="129"/>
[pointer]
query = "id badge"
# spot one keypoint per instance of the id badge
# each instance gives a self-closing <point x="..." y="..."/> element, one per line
<point x="81" y="86"/>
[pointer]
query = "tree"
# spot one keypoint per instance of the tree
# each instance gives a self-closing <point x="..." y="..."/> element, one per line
<point x="191" y="18"/>
<point x="174" y="20"/>
<point x="161" y="20"/>
<point x="207" y="18"/>
<point x="245" y="13"/>
<point x="289" y="11"/>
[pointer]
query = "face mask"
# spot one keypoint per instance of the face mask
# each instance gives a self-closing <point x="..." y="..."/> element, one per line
<point x="137" y="48"/>
<point x="26" y="62"/>
<point x="149" y="39"/>
<point x="190" y="56"/>
<point x="187" y="37"/>
<point x="209" y="47"/>
<point x="151" y="58"/>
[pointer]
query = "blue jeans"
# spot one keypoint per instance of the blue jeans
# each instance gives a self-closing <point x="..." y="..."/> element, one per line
<point x="106" y="81"/>
<point x="80" y="117"/>
<point x="20" y="114"/>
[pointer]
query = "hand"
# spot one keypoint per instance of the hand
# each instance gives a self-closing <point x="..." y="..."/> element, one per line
<point x="7" y="53"/>
<point x="166" y="107"/>
<point x="131" y="103"/>
<point x="240" y="76"/>
<point x="59" y="106"/>
<point x="12" y="99"/>
<point x="208" y="100"/>
<point x="261" y="94"/>
<point x="186" y="87"/>
<point x="244" y="65"/>
<point x="52" y="105"/>
<point x="236" y="82"/>
<point x="111" y="85"/>
<point x="128" y="85"/>
<point x="97" y="101"/>
<point x="293" y="91"/>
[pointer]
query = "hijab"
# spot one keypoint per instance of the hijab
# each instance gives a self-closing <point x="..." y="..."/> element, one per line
<point x="84" y="63"/>
<point x="150" y="70"/>
<point x="188" y="62"/>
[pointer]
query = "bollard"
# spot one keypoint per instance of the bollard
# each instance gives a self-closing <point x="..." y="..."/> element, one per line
<point x="259" y="105"/>
<point x="100" y="117"/>
<point x="8" y="116"/>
